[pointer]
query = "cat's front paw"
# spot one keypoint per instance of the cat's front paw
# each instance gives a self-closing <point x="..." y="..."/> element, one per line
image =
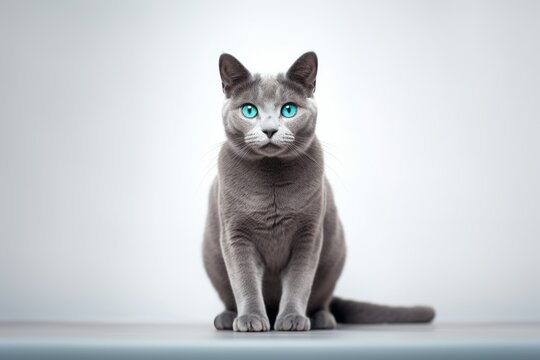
<point x="224" y="321"/>
<point x="251" y="322"/>
<point x="292" y="322"/>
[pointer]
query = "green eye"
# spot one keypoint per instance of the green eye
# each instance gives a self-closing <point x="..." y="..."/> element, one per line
<point x="288" y="110"/>
<point x="249" y="111"/>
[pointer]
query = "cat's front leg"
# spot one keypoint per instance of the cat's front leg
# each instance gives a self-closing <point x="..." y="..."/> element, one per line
<point x="245" y="269"/>
<point x="297" y="280"/>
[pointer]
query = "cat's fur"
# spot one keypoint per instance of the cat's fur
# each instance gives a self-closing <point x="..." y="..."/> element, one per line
<point x="274" y="245"/>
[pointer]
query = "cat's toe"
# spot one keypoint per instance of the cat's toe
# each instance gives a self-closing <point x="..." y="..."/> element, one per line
<point x="292" y="322"/>
<point x="224" y="321"/>
<point x="323" y="319"/>
<point x="251" y="322"/>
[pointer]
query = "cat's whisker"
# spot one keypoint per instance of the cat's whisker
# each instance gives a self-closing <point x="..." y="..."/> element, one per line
<point x="213" y="148"/>
<point x="326" y="151"/>
<point x="209" y="167"/>
<point x="238" y="157"/>
<point x="304" y="154"/>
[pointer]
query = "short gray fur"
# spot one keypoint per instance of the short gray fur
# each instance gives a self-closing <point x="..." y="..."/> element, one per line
<point x="274" y="246"/>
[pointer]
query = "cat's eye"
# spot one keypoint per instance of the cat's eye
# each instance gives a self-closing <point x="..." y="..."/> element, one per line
<point x="288" y="110"/>
<point x="249" y="111"/>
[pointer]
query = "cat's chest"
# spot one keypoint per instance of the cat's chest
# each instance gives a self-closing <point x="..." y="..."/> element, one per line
<point x="274" y="208"/>
<point x="275" y="217"/>
<point x="270" y="199"/>
<point x="271" y="208"/>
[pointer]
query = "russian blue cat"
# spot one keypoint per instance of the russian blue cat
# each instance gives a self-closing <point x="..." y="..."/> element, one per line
<point x="274" y="246"/>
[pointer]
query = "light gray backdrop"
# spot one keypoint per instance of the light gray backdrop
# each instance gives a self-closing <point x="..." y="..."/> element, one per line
<point x="110" y="125"/>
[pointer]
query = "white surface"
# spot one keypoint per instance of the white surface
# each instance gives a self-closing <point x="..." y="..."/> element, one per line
<point x="110" y="120"/>
<point x="438" y="341"/>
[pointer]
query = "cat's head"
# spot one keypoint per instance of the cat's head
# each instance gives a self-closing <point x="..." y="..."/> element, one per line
<point x="269" y="116"/>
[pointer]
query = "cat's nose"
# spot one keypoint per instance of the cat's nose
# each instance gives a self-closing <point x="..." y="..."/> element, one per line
<point x="270" y="132"/>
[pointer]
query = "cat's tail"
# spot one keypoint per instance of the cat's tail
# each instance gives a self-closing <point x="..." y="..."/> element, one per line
<point x="356" y="312"/>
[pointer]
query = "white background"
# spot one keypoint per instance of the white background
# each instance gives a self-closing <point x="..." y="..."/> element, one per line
<point x="110" y="124"/>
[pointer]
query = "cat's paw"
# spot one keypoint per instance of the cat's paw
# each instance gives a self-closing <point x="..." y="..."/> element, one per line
<point x="251" y="322"/>
<point x="292" y="322"/>
<point x="224" y="321"/>
<point x="323" y="319"/>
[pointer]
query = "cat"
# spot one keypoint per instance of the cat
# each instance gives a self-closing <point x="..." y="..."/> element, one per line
<point x="273" y="245"/>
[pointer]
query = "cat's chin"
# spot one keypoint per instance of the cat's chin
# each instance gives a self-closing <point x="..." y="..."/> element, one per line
<point x="270" y="150"/>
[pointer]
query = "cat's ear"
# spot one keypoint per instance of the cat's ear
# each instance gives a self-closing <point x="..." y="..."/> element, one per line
<point x="232" y="73"/>
<point x="304" y="71"/>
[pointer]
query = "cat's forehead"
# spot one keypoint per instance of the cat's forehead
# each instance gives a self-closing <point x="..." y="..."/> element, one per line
<point x="269" y="88"/>
<point x="268" y="85"/>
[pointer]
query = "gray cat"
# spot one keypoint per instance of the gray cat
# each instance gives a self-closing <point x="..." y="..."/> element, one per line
<point x="274" y="245"/>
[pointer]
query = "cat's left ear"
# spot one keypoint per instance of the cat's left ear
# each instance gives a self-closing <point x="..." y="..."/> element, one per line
<point x="304" y="71"/>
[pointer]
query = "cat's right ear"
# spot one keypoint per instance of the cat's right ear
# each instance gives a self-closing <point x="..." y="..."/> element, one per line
<point x="232" y="73"/>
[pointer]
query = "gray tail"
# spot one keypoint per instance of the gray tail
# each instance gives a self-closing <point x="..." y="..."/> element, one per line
<point x="356" y="312"/>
